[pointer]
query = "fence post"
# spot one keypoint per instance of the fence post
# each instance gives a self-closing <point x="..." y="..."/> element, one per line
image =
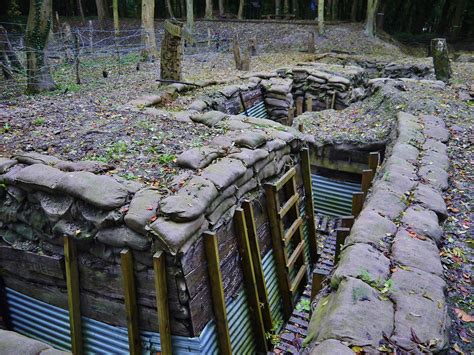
<point x="161" y="289"/>
<point x="73" y="295"/>
<point x="317" y="281"/>
<point x="299" y="106"/>
<point x="341" y="235"/>
<point x="367" y="176"/>
<point x="309" y="104"/>
<point x="357" y="203"/>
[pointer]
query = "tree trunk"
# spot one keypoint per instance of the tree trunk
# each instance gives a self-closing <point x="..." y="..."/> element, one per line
<point x="116" y="17"/>
<point x="171" y="51"/>
<point x="148" y="26"/>
<point x="372" y="6"/>
<point x="169" y="8"/>
<point x="36" y="37"/>
<point x="441" y="63"/>
<point x="189" y="14"/>
<point x="321" y="16"/>
<point x="354" y="10"/>
<point x="9" y="52"/>
<point x="240" y="14"/>
<point x="277" y="7"/>
<point x="286" y="7"/>
<point x="296" y="8"/>
<point x="209" y="10"/>
<point x="221" y="8"/>
<point x="80" y="11"/>
<point x="101" y="11"/>
<point x="458" y="17"/>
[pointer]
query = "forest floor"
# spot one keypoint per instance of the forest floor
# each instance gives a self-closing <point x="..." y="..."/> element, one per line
<point x="89" y="121"/>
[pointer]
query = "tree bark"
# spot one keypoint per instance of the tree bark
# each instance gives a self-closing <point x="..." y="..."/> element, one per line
<point x="171" y="51"/>
<point x="354" y="10"/>
<point x="372" y="6"/>
<point x="36" y="37"/>
<point x="321" y="16"/>
<point x="277" y="7"/>
<point x="101" y="11"/>
<point x="441" y="62"/>
<point x="169" y="8"/>
<point x="116" y="17"/>
<point x="190" y="14"/>
<point x="209" y="10"/>
<point x="148" y="26"/>
<point x="221" y="8"/>
<point x="80" y="10"/>
<point x="240" y="14"/>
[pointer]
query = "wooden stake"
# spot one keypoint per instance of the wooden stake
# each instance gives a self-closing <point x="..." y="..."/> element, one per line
<point x="357" y="203"/>
<point x="317" y="282"/>
<point x="217" y="292"/>
<point x="73" y="295"/>
<point x="309" y="205"/>
<point x="367" y="176"/>
<point x="291" y="115"/>
<point x="250" y="281"/>
<point x="161" y="289"/>
<point x="341" y="235"/>
<point x="333" y="102"/>
<point x="309" y="104"/>
<point x="299" y="106"/>
<point x="128" y="276"/>
<point x="374" y="161"/>
<point x="257" y="265"/>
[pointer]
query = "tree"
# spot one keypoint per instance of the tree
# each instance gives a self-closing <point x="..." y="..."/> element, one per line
<point x="208" y="13"/>
<point x="80" y="10"/>
<point x="116" y="17"/>
<point x="101" y="11"/>
<point x="190" y="14"/>
<point x="169" y="8"/>
<point x="372" y="6"/>
<point x="321" y="17"/>
<point x="240" y="14"/>
<point x="221" y="8"/>
<point x="277" y="7"/>
<point x="148" y="34"/>
<point x="36" y="37"/>
<point x="354" y="9"/>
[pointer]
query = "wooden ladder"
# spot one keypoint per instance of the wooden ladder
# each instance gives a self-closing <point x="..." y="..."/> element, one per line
<point x="286" y="226"/>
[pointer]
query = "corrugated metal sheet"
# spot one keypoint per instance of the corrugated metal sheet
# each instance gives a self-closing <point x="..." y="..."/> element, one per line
<point x="259" y="111"/>
<point x="333" y="197"/>
<point x="274" y="297"/>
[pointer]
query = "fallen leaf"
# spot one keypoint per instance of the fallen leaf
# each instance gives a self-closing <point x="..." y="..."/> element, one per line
<point x="463" y="315"/>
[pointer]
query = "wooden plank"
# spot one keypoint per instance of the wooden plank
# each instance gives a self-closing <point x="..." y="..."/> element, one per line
<point x="250" y="281"/>
<point x="309" y="205"/>
<point x="347" y="221"/>
<point x="128" y="276"/>
<point x="217" y="292"/>
<point x="374" y="161"/>
<point x="288" y="205"/>
<point x="317" y="282"/>
<point x="161" y="288"/>
<point x="297" y="280"/>
<point x="285" y="178"/>
<point x="257" y="265"/>
<point x="367" y="176"/>
<point x="291" y="231"/>
<point x="357" y="203"/>
<point x="341" y="234"/>
<point x="296" y="253"/>
<point x="283" y="282"/>
<point x="73" y="296"/>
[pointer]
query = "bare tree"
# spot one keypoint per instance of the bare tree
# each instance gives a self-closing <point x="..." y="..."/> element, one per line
<point x="277" y="7"/>
<point x="240" y="14"/>
<point x="372" y="6"/>
<point x="36" y="37"/>
<point x="169" y="8"/>
<point x="101" y="11"/>
<point x="208" y="14"/>
<point x="116" y="17"/>
<point x="80" y="10"/>
<point x="190" y="14"/>
<point x="321" y="16"/>
<point x="148" y="34"/>
<point x="221" y="8"/>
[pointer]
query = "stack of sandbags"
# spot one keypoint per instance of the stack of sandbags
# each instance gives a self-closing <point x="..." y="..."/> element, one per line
<point x="278" y="98"/>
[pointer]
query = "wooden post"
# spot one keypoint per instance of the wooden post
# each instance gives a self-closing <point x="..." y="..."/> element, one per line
<point x="341" y="235"/>
<point x="76" y="55"/>
<point x="367" y="176"/>
<point x="441" y="62"/>
<point x="128" y="276"/>
<point x="4" y="314"/>
<point x="299" y="106"/>
<point x="309" y="104"/>
<point x="301" y="128"/>
<point x="374" y="161"/>
<point x="357" y="202"/>
<point x="73" y="296"/>
<point x="317" y="281"/>
<point x="311" y="47"/>
<point x="250" y="281"/>
<point x="333" y="101"/>
<point x="257" y="265"/>
<point x="291" y="115"/>
<point x="161" y="289"/>
<point x="347" y="221"/>
<point x="217" y="292"/>
<point x="309" y="205"/>
<point x="237" y="55"/>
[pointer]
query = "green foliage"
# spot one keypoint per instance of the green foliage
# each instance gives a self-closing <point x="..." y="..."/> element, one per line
<point x="6" y="128"/>
<point x="38" y="121"/>
<point x="304" y="305"/>
<point x="166" y="158"/>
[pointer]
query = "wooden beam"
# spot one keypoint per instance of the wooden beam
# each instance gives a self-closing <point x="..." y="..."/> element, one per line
<point x="73" y="295"/>
<point x="309" y="205"/>
<point x="317" y="281"/>
<point x="367" y="177"/>
<point x="161" y="289"/>
<point x="347" y="221"/>
<point x="341" y="235"/>
<point x="357" y="203"/>
<point x="374" y="161"/>
<point x="128" y="276"/>
<point x="309" y="104"/>
<point x="257" y="265"/>
<point x="250" y="281"/>
<point x="217" y="292"/>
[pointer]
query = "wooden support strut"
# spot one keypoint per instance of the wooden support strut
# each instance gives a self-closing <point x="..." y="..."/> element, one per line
<point x="309" y="205"/>
<point x="128" y="276"/>
<point x="367" y="177"/>
<point x="347" y="221"/>
<point x="257" y="265"/>
<point x="299" y="106"/>
<point x="161" y="289"/>
<point x="357" y="203"/>
<point x="341" y="235"/>
<point x="250" y="281"/>
<point x="217" y="292"/>
<point x="73" y="295"/>
<point x="317" y="281"/>
<point x="374" y="161"/>
<point x="309" y="104"/>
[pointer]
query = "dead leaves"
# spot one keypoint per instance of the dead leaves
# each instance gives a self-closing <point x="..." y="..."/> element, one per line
<point x="463" y="315"/>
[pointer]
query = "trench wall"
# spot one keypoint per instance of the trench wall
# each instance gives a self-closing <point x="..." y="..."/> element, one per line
<point x="388" y="285"/>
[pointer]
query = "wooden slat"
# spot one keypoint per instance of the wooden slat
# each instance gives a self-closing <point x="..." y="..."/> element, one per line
<point x="217" y="292"/>
<point x="250" y="281"/>
<point x="367" y="176"/>
<point x="374" y="161"/>
<point x="295" y="255"/>
<point x="288" y="205"/>
<point x="309" y="205"/>
<point x="291" y="231"/>
<point x="283" y="282"/>
<point x="297" y="280"/>
<point x="357" y="203"/>
<point x="131" y="310"/>
<point x="161" y="289"/>
<point x="73" y="295"/>
<point x="257" y="265"/>
<point x="285" y="178"/>
<point x="341" y="235"/>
